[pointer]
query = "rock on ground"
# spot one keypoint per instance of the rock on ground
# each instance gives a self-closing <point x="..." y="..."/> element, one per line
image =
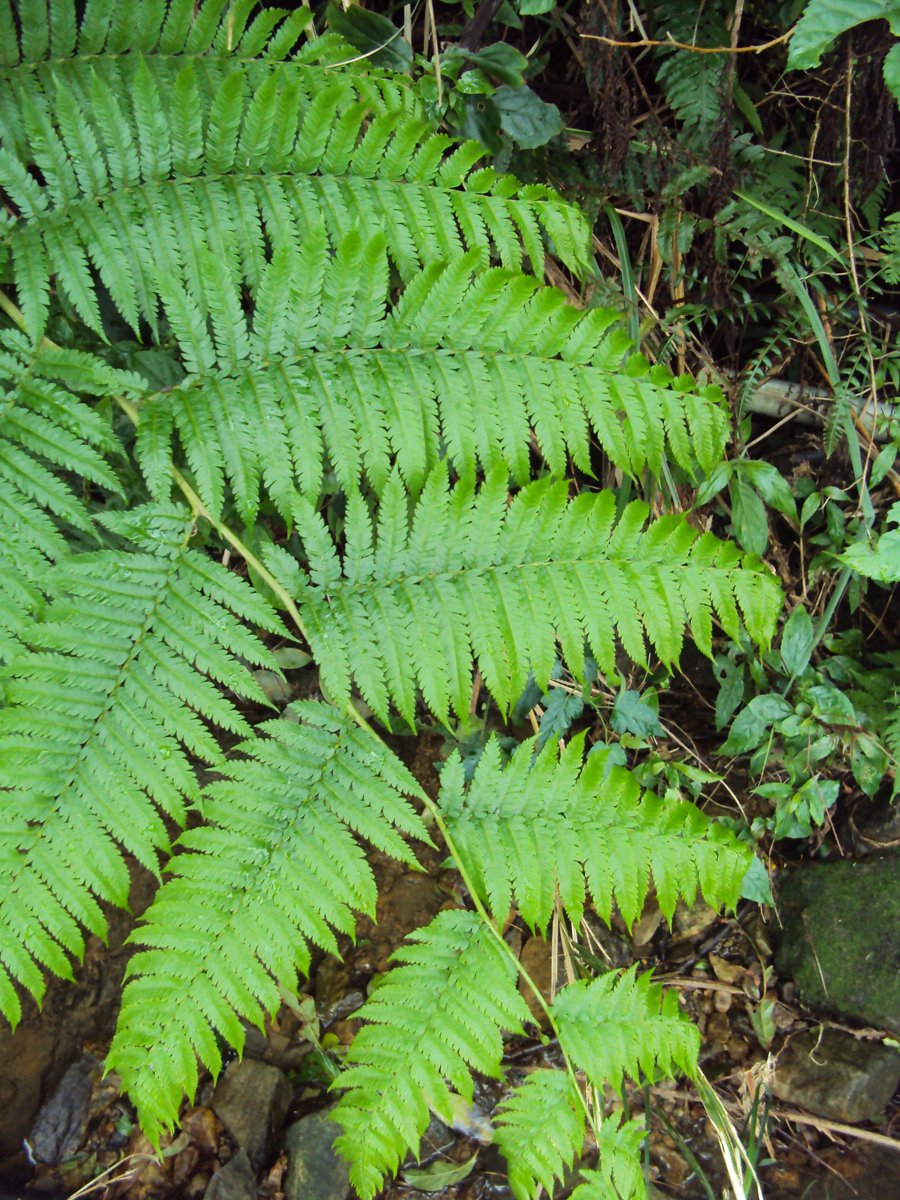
<point x="235" y="1181"/>
<point x="837" y="1076"/>
<point x="315" y="1170"/>
<point x="839" y="942"/>
<point x="251" y="1100"/>
<point x="61" y="1123"/>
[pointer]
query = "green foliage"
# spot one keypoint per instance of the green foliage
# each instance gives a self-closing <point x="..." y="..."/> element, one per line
<point x="880" y="562"/>
<point x="440" y="1016"/>
<point x="430" y="1024"/>
<point x="399" y="609"/>
<point x="136" y="167"/>
<point x="469" y="365"/>
<point x="253" y="888"/>
<point x="119" y="680"/>
<point x="540" y="1131"/>
<point x="263" y="278"/>
<point x="825" y="20"/>
<point x="807" y="723"/>
<point x="46" y="426"/>
<point x="526" y="830"/>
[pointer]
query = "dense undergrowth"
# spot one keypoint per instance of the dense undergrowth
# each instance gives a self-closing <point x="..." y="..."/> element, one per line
<point x="282" y="373"/>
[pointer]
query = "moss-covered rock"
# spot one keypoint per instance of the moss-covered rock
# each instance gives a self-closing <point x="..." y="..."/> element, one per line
<point x="839" y="940"/>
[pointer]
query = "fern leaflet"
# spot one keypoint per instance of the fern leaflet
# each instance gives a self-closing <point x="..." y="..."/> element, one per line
<point x="251" y="889"/>
<point x="468" y="577"/>
<point x="624" y="1024"/>
<point x="45" y="425"/>
<point x="121" y="677"/>
<point x="119" y="175"/>
<point x="474" y="367"/>
<point x="540" y="1131"/>
<point x="432" y="1022"/>
<point x="523" y="831"/>
<point x="619" y="1174"/>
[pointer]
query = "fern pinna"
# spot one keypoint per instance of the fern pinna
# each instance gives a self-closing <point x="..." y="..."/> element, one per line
<point x="259" y="302"/>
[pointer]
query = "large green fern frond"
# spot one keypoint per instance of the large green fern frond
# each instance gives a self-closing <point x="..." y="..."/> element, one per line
<point x="108" y="179"/>
<point x="479" y="367"/>
<point x="119" y="683"/>
<point x="432" y="1022"/>
<point x="619" y="1174"/>
<point x="441" y="1015"/>
<point x="540" y="1132"/>
<point x="277" y="866"/>
<point x="465" y="576"/>
<point x="553" y="825"/>
<point x="58" y="41"/>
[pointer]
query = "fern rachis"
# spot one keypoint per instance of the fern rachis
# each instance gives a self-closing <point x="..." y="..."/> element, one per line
<point x="317" y="267"/>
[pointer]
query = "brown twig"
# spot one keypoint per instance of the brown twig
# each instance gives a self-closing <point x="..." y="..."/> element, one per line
<point x="477" y="27"/>
<point x="673" y="44"/>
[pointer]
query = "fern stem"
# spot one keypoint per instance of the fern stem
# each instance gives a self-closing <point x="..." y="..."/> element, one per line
<point x="435" y="812"/>
<point x="228" y="535"/>
<point x="14" y="312"/>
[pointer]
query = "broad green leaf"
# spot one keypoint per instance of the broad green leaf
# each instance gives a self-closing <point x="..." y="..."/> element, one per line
<point x="797" y="641"/>
<point x="525" y="117"/>
<point x="748" y="517"/>
<point x="825" y="20"/>
<point x="438" y="1175"/>
<point x="753" y="723"/>
<point x="536" y="8"/>
<point x="372" y="34"/>
<point x="637" y="713"/>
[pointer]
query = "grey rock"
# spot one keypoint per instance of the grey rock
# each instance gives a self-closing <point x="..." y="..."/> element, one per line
<point x="839" y="940"/>
<point x="315" y="1171"/>
<point x="251" y="1100"/>
<point x="235" y="1181"/>
<point x="61" y="1123"/>
<point x="837" y="1076"/>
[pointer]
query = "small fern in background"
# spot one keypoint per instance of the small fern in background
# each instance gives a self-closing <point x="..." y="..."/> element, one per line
<point x="339" y="293"/>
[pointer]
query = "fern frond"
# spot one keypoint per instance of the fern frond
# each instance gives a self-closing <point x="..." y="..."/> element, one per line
<point x="692" y="83"/>
<point x="539" y="1130"/>
<point x="121" y="678"/>
<point x="468" y="577"/>
<point x="476" y="366"/>
<point x="434" y="1020"/>
<point x="107" y="42"/>
<point x="623" y="1024"/>
<point x="133" y="171"/>
<point x="619" y="1173"/>
<point x="523" y="831"/>
<point x="252" y="889"/>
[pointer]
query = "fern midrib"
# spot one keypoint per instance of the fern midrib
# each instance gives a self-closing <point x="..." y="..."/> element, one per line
<point x="250" y="367"/>
<point x="45" y="829"/>
<point x="62" y="214"/>
<point x="366" y="586"/>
